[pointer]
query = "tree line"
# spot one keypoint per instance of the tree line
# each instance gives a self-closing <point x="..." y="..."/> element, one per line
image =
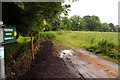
<point x="86" y="23"/>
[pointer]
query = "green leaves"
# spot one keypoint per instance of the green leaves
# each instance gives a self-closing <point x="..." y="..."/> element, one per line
<point x="28" y="16"/>
<point x="65" y="9"/>
<point x="106" y="48"/>
<point x="47" y="35"/>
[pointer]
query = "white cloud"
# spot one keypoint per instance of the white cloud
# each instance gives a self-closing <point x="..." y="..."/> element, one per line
<point x="107" y="10"/>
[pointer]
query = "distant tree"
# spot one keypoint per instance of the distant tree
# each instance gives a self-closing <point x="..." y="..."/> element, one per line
<point x="55" y="23"/>
<point x="75" y="22"/>
<point x="105" y="27"/>
<point x="87" y="19"/>
<point x="83" y="25"/>
<point x="96" y="23"/>
<point x="65" y="24"/>
<point x="117" y="27"/>
<point x="112" y="27"/>
<point x="93" y="23"/>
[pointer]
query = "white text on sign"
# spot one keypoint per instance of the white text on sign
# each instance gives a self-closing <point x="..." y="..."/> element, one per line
<point x="8" y="29"/>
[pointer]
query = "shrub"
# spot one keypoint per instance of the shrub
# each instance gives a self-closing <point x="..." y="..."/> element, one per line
<point x="103" y="46"/>
<point x="106" y="48"/>
<point x="114" y="55"/>
<point x="47" y="35"/>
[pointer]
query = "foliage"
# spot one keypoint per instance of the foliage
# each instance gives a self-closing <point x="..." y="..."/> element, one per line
<point x="106" y="27"/>
<point x="27" y="16"/>
<point x="47" y="35"/>
<point x="75" y="23"/>
<point x="87" y="23"/>
<point x="23" y="40"/>
<point x="105" y="48"/>
<point x="112" y="27"/>
<point x="65" y="9"/>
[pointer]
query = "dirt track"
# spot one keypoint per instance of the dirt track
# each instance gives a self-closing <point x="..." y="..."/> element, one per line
<point x="47" y="64"/>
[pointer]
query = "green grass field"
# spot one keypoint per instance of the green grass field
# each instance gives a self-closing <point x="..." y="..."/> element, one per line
<point x="84" y="38"/>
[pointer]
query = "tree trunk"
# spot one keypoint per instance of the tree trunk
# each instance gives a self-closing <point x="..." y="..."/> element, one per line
<point x="32" y="46"/>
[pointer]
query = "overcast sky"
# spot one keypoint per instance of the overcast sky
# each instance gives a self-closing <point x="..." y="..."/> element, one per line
<point x="107" y="10"/>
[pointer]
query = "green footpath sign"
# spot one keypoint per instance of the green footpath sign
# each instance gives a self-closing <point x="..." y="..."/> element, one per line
<point x="9" y="34"/>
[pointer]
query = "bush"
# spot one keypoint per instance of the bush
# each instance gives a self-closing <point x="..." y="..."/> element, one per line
<point x="105" y="48"/>
<point x="114" y="55"/>
<point x="47" y="35"/>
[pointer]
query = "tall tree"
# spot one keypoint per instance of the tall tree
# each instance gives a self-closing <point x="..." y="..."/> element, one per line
<point x="27" y="16"/>
<point x="93" y="23"/>
<point x="112" y="27"/>
<point x="117" y="27"/>
<point x="105" y="27"/>
<point x="75" y="21"/>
